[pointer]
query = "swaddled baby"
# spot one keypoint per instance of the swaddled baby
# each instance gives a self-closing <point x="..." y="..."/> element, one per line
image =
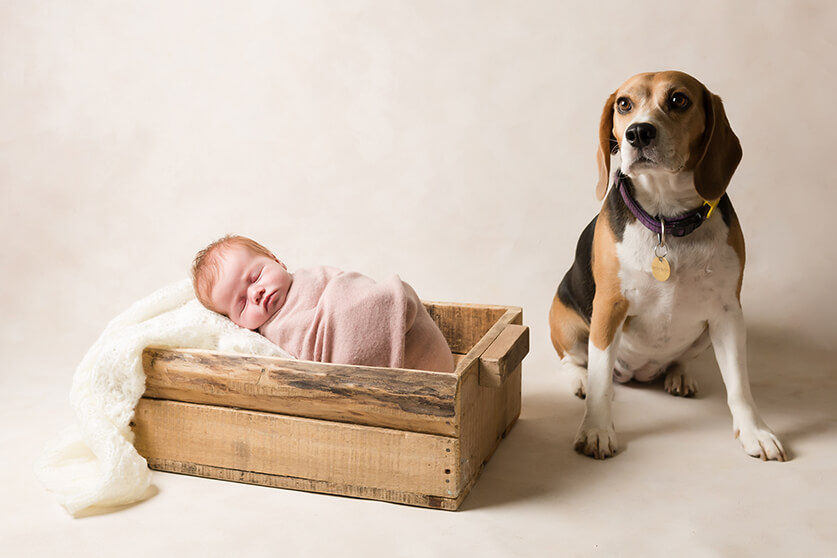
<point x="322" y="313"/>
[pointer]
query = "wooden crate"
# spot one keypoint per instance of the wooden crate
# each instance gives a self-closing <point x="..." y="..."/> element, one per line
<point x="406" y="436"/>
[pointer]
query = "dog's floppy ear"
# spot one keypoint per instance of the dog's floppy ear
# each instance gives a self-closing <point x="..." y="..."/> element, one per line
<point x="606" y="143"/>
<point x="719" y="153"/>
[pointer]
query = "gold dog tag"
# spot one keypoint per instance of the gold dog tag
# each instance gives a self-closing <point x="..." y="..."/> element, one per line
<point x="660" y="268"/>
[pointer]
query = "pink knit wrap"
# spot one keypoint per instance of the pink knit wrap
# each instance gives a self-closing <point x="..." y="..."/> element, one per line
<point x="347" y="318"/>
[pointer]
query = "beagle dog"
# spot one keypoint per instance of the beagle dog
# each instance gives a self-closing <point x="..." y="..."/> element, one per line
<point x="657" y="274"/>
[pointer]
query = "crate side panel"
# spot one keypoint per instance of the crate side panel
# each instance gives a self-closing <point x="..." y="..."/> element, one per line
<point x="414" y="400"/>
<point x="337" y="453"/>
<point x="463" y="325"/>
<point x="488" y="413"/>
<point x="308" y="485"/>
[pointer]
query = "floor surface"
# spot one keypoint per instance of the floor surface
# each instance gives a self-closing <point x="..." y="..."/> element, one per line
<point x="680" y="483"/>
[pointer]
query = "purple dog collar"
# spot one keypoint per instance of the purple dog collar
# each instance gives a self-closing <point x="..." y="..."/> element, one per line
<point x="679" y="226"/>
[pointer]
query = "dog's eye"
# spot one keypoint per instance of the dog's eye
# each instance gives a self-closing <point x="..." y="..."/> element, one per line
<point x="679" y="101"/>
<point x="624" y="105"/>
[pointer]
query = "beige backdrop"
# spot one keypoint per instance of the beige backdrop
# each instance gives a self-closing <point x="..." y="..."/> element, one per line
<point x="451" y="142"/>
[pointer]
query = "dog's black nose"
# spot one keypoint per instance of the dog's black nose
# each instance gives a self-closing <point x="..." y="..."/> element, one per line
<point x="640" y="134"/>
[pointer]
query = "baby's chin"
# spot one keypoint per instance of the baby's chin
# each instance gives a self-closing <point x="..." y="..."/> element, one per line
<point x="269" y="319"/>
<point x="254" y="327"/>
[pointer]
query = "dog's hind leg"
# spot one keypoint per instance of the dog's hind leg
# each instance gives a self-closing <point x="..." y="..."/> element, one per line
<point x="569" y="334"/>
<point x="679" y="382"/>
<point x="578" y="375"/>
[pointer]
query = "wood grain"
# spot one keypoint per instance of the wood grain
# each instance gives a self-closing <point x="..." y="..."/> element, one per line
<point x="336" y="453"/>
<point x="310" y="485"/>
<point x="413" y="400"/>
<point x="504" y="355"/>
<point x="463" y="325"/>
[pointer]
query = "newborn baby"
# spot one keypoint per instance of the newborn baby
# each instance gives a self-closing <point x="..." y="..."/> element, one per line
<point x="322" y="313"/>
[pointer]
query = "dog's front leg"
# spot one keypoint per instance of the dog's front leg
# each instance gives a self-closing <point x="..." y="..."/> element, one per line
<point x="597" y="436"/>
<point x="729" y="339"/>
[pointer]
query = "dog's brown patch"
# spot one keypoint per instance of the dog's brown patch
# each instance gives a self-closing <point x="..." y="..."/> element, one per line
<point x="609" y="305"/>
<point x="567" y="329"/>
<point x="735" y="238"/>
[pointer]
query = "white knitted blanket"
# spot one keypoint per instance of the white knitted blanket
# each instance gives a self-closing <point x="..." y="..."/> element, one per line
<point x="94" y="463"/>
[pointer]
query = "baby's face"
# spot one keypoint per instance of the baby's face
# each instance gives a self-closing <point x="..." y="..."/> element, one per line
<point x="250" y="288"/>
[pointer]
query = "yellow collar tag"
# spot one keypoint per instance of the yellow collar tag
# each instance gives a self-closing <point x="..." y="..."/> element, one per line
<point x="712" y="205"/>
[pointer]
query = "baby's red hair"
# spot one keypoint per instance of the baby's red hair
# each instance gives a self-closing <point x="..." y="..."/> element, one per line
<point x="207" y="266"/>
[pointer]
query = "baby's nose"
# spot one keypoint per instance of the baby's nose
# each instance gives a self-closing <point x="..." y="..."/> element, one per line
<point x="256" y="294"/>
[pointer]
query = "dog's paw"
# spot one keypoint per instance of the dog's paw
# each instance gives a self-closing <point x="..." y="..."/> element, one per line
<point x="599" y="443"/>
<point x="579" y="386"/>
<point x="762" y="443"/>
<point x="679" y="383"/>
<point x="578" y="377"/>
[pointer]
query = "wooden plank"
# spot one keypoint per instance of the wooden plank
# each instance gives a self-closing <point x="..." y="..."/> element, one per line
<point x="308" y="485"/>
<point x="414" y="400"/>
<point x="463" y="325"/>
<point x="504" y="355"/>
<point x="487" y="415"/>
<point x="512" y="315"/>
<point x="330" y="452"/>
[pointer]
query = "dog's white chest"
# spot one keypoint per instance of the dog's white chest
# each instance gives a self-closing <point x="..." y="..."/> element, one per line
<point x="667" y="319"/>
